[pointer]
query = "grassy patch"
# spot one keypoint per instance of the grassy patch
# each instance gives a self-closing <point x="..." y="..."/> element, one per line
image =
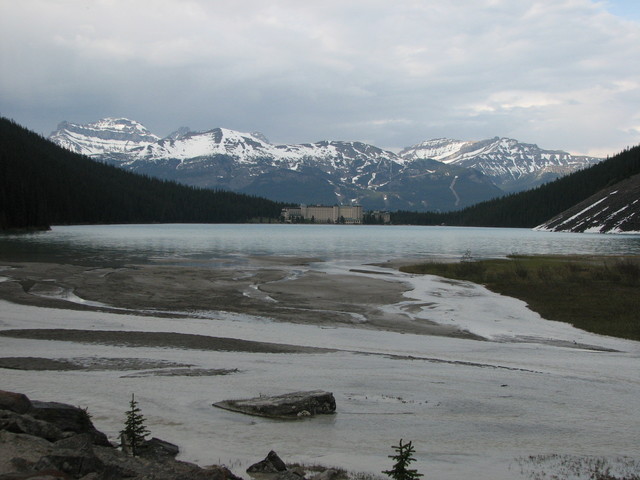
<point x="597" y="294"/>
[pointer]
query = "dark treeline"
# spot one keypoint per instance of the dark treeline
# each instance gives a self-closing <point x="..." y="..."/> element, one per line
<point x="533" y="207"/>
<point x="42" y="184"/>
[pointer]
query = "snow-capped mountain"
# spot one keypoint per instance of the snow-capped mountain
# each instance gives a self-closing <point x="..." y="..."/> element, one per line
<point x="513" y="166"/>
<point x="613" y="210"/>
<point x="108" y="135"/>
<point x="326" y="172"/>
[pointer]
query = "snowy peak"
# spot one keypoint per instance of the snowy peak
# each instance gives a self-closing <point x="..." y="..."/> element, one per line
<point x="109" y="135"/>
<point x="511" y="164"/>
<point x="185" y="144"/>
<point x="437" y="149"/>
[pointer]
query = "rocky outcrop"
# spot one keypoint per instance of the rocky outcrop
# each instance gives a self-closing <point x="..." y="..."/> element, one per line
<point x="271" y="464"/>
<point x="49" y="440"/>
<point x="273" y="468"/>
<point x="289" y="406"/>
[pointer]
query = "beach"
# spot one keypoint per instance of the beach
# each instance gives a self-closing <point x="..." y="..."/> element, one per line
<point x="476" y="380"/>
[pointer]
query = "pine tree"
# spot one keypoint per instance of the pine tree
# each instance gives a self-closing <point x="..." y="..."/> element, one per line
<point x="133" y="434"/>
<point x="403" y="458"/>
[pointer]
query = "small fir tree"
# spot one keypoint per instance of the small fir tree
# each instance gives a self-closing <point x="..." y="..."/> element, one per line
<point x="133" y="434"/>
<point x="403" y="458"/>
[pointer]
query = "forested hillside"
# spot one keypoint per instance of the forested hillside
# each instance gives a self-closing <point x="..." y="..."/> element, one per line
<point x="42" y="184"/>
<point x="533" y="207"/>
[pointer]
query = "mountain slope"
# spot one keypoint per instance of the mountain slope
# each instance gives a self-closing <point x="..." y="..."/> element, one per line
<point x="535" y="207"/>
<point x="511" y="165"/>
<point x="106" y="135"/>
<point x="43" y="184"/>
<point x="615" y="209"/>
<point x="323" y="172"/>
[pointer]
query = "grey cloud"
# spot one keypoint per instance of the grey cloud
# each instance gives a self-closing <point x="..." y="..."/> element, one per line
<point x="391" y="73"/>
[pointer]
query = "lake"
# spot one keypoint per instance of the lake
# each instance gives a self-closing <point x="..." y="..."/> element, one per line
<point x="99" y="244"/>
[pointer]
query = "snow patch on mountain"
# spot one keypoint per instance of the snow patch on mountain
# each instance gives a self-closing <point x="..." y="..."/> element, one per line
<point x="612" y="210"/>
<point x="109" y="135"/>
<point x="512" y="164"/>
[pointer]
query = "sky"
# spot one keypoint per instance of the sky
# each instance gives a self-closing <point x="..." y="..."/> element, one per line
<point x="563" y="74"/>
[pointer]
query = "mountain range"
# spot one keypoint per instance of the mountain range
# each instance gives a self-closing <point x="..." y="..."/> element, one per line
<point x="435" y="175"/>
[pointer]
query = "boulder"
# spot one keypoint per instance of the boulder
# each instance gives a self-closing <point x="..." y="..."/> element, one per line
<point x="55" y="441"/>
<point x="15" y="402"/>
<point x="76" y="464"/>
<point x="68" y="419"/>
<point x="158" y="449"/>
<point x="271" y="464"/>
<point x="290" y="405"/>
<point x="15" y="423"/>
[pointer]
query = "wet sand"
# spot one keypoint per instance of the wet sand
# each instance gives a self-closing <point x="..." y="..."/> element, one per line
<point x="281" y="289"/>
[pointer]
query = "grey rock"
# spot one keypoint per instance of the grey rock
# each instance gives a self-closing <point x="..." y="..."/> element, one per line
<point x="328" y="474"/>
<point x="48" y="474"/>
<point x="15" y="402"/>
<point x="290" y="405"/>
<point x="15" y="423"/>
<point x="82" y="442"/>
<point x="288" y="475"/>
<point x="76" y="464"/>
<point x="68" y="419"/>
<point x="158" y="449"/>
<point x="271" y="464"/>
<point x="35" y="449"/>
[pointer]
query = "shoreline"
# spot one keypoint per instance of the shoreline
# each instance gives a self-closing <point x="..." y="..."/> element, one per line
<point x="282" y="289"/>
<point x="443" y="392"/>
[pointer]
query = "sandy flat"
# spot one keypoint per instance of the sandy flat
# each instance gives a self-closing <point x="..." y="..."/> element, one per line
<point x="281" y="289"/>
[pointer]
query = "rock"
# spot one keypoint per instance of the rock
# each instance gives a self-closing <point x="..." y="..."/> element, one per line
<point x="81" y="442"/>
<point x="288" y="475"/>
<point x="76" y="464"/>
<point x="290" y="405"/>
<point x="55" y="441"/>
<point x="15" y="423"/>
<point x="328" y="474"/>
<point x="158" y="449"/>
<point x="49" y="474"/>
<point x="271" y="464"/>
<point x="68" y="419"/>
<point x="19" y="452"/>
<point x="15" y="402"/>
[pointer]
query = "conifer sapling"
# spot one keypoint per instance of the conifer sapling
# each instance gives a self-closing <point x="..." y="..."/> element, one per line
<point x="403" y="458"/>
<point x="134" y="432"/>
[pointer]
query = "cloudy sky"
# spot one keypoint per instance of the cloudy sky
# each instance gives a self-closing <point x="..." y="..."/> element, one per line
<point x="564" y="74"/>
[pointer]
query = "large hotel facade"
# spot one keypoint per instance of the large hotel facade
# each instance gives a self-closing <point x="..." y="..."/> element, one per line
<point x="350" y="214"/>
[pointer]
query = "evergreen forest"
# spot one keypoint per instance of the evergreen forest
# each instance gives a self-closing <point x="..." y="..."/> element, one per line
<point x="42" y="184"/>
<point x="531" y="208"/>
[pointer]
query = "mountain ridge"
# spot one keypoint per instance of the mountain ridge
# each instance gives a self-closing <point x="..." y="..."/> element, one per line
<point x="325" y="172"/>
<point x="512" y="165"/>
<point x="331" y="170"/>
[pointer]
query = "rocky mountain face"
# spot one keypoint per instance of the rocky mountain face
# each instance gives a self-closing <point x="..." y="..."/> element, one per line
<point x="511" y="165"/>
<point x="615" y="209"/>
<point x="104" y="136"/>
<point x="435" y="175"/>
<point x="326" y="172"/>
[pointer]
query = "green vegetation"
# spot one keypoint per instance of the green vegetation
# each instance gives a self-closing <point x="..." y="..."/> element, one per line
<point x="403" y="458"/>
<point x="134" y="432"/>
<point x="597" y="294"/>
<point x="534" y="207"/>
<point x="42" y="184"/>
